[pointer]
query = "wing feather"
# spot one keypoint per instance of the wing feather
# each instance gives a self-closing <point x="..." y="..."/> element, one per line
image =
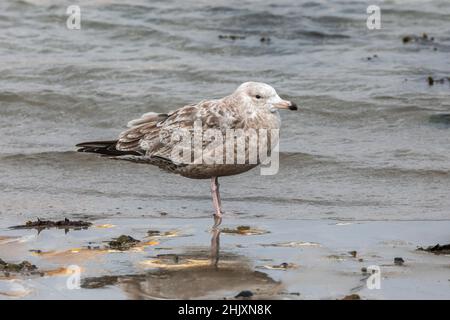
<point x="155" y="135"/>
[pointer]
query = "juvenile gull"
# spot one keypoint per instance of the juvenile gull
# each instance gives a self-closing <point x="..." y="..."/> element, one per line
<point x="155" y="138"/>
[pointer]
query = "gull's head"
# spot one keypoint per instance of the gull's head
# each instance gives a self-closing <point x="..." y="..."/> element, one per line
<point x="261" y="95"/>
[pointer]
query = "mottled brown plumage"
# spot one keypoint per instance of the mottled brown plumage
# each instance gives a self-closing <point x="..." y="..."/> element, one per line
<point x="155" y="138"/>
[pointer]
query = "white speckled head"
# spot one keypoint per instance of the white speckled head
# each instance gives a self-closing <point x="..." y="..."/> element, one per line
<point x="261" y="95"/>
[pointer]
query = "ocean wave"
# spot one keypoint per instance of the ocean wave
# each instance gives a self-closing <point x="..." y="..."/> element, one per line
<point x="297" y="160"/>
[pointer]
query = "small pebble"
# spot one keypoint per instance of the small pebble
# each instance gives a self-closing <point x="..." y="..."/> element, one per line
<point x="407" y="39"/>
<point x="353" y="253"/>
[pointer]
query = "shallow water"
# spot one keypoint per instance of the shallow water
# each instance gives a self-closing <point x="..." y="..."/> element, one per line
<point x="362" y="146"/>
<point x="371" y="140"/>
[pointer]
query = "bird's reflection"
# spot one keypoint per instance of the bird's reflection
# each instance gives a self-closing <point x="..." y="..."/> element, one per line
<point x="188" y="276"/>
<point x="215" y="242"/>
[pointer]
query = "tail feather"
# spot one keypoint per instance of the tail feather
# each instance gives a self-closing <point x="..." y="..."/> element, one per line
<point x="107" y="148"/>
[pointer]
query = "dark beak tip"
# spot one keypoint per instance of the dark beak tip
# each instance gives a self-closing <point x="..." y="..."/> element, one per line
<point x="293" y="106"/>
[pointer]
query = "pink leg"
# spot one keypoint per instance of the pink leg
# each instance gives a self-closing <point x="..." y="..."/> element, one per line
<point x="215" y="242"/>
<point x="216" y="200"/>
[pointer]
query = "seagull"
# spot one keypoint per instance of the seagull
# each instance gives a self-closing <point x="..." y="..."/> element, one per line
<point x="156" y="138"/>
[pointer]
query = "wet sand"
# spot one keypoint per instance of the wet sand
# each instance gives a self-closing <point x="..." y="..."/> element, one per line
<point x="281" y="259"/>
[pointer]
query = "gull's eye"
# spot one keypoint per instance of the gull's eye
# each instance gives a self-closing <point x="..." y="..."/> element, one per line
<point x="258" y="96"/>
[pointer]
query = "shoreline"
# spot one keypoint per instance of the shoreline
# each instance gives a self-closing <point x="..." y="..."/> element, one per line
<point x="282" y="259"/>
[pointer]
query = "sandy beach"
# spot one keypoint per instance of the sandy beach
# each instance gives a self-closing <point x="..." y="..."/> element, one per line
<point x="310" y="259"/>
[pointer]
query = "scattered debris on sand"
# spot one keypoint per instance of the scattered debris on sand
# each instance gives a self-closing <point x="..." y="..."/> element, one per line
<point x="367" y="270"/>
<point x="61" y="224"/>
<point x="244" y="230"/>
<point x="398" y="261"/>
<point x="437" y="249"/>
<point x="353" y="253"/>
<point x="122" y="243"/>
<point x="353" y="296"/>
<point x="244" y="294"/>
<point x="22" y="267"/>
<point x="423" y="39"/>
<point x="231" y="37"/>
<point x="431" y="81"/>
<point x="375" y="56"/>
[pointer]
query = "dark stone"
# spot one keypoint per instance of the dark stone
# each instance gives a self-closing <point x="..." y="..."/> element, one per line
<point x="407" y="39"/>
<point x="437" y="249"/>
<point x="244" y="294"/>
<point x="353" y="253"/>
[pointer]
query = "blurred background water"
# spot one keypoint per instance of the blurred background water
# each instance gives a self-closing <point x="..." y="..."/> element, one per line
<point x="371" y="140"/>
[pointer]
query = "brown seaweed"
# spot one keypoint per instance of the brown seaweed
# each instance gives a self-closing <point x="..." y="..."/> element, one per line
<point x="23" y="266"/>
<point x="61" y="224"/>
<point x="122" y="243"/>
<point x="437" y="249"/>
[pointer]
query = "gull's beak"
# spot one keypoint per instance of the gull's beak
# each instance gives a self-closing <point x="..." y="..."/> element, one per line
<point x="285" y="104"/>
